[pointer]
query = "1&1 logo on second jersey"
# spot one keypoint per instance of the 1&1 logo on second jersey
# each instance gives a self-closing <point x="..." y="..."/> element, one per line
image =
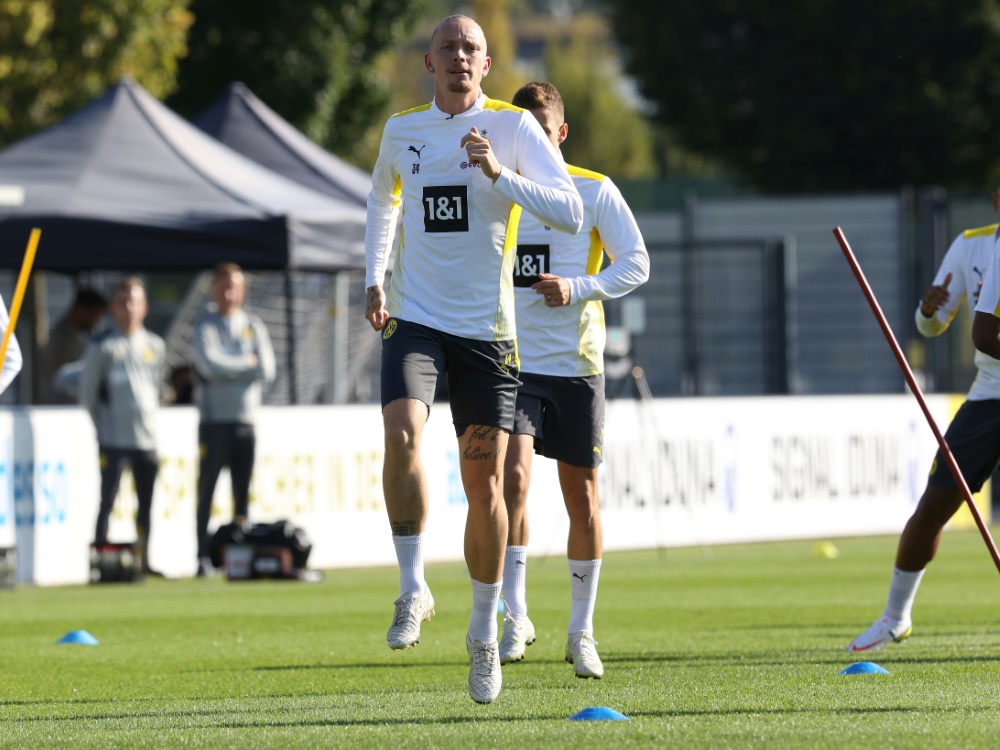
<point x="446" y="208"/>
<point x="531" y="261"/>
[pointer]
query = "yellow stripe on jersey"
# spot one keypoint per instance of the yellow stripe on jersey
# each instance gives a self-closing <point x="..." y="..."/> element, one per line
<point x="502" y="326"/>
<point x="586" y="173"/>
<point x="969" y="234"/>
<point x="421" y="108"/>
<point x="496" y="105"/>
<point x="595" y="256"/>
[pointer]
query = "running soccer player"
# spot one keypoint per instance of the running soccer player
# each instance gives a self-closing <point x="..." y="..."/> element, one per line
<point x="11" y="364"/>
<point x="458" y="170"/>
<point x="559" y="286"/>
<point x="973" y="435"/>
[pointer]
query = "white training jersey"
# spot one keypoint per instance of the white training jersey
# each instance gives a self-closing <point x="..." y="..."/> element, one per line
<point x="967" y="260"/>
<point x="453" y="269"/>
<point x="568" y="341"/>
<point x="11" y="364"/>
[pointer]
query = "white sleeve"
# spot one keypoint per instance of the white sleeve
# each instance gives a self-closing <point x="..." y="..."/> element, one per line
<point x="989" y="296"/>
<point x="383" y="209"/>
<point x="12" y="361"/>
<point x="956" y="262"/>
<point x="541" y="185"/>
<point x="622" y="242"/>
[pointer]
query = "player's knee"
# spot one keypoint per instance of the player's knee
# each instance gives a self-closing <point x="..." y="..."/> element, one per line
<point x="515" y="485"/>
<point x="937" y="506"/>
<point x="400" y="440"/>
<point x="583" y="507"/>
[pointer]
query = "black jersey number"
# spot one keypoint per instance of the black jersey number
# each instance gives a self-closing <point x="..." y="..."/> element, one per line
<point x="531" y="261"/>
<point x="446" y="208"/>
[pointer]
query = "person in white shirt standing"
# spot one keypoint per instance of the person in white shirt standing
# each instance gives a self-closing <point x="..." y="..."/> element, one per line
<point x="559" y="286"/>
<point x="12" y="361"/>
<point x="973" y="435"/>
<point x="459" y="171"/>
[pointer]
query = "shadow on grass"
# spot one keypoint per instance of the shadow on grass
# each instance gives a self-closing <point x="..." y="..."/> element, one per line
<point x="226" y="720"/>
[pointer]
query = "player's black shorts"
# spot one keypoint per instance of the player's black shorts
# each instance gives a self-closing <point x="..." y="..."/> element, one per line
<point x="974" y="439"/>
<point x="565" y="416"/>
<point x="482" y="375"/>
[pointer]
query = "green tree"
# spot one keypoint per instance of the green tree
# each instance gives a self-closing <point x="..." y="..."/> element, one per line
<point x="606" y="133"/>
<point x="55" y="55"/>
<point x="824" y="94"/>
<point x="313" y="61"/>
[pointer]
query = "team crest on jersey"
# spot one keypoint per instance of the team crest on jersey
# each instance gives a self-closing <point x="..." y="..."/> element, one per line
<point x="148" y="355"/>
<point x="390" y="328"/>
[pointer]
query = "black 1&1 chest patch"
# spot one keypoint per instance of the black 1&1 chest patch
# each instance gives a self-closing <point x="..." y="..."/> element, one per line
<point x="446" y="208"/>
<point x="531" y="261"/>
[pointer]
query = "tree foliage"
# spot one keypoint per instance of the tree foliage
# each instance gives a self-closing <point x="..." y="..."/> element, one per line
<point x="606" y="133"/>
<point x="55" y="55"/>
<point x="313" y="61"/>
<point x="825" y="94"/>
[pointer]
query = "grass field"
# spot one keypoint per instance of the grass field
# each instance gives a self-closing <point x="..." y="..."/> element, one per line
<point x="739" y="649"/>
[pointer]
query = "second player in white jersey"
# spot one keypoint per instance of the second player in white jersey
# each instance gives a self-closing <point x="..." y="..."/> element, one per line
<point x="569" y="340"/>
<point x="964" y="268"/>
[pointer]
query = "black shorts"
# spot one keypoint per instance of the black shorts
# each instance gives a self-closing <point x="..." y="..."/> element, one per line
<point x="974" y="440"/>
<point x="565" y="416"/>
<point x="482" y="375"/>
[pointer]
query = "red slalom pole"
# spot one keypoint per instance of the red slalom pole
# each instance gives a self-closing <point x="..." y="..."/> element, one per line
<point x="911" y="381"/>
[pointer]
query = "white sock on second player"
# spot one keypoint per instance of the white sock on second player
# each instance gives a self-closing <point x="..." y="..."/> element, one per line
<point x="410" y="555"/>
<point x="515" y="597"/>
<point x="902" y="592"/>
<point x="485" y="602"/>
<point x="584" y="575"/>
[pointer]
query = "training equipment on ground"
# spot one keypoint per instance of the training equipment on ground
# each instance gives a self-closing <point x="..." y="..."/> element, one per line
<point x="410" y="612"/>
<point x="881" y="633"/>
<point x="518" y="634"/>
<point x="114" y="562"/>
<point x="581" y="652"/>
<point x="598" y="713"/>
<point x="485" y="677"/>
<point x="22" y="285"/>
<point x="260" y="550"/>
<point x="864" y="667"/>
<point x="78" y="637"/>
<point x="917" y="393"/>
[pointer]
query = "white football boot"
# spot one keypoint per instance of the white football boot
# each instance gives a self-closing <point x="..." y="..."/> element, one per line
<point x="485" y="678"/>
<point x="581" y="652"/>
<point x="518" y="634"/>
<point x="411" y="610"/>
<point x="882" y="632"/>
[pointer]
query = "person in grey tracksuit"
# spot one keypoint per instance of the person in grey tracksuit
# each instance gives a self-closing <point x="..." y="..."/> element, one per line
<point x="120" y="388"/>
<point x="233" y="358"/>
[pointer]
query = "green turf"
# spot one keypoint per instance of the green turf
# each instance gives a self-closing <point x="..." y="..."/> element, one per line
<point x="739" y="649"/>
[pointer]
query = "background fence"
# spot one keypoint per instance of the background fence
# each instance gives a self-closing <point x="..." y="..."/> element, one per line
<point x="746" y="296"/>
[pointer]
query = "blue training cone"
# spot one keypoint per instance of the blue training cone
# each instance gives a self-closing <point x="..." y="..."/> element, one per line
<point x="598" y="713"/>
<point x="864" y="667"/>
<point x="81" y="637"/>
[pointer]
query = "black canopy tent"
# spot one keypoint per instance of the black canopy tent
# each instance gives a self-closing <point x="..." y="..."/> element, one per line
<point x="124" y="183"/>
<point x="247" y="125"/>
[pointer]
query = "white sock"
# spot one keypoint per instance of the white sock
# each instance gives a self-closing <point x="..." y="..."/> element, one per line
<point x="485" y="600"/>
<point x="410" y="554"/>
<point x="515" y="564"/>
<point x="584" y="575"/>
<point x="902" y="592"/>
